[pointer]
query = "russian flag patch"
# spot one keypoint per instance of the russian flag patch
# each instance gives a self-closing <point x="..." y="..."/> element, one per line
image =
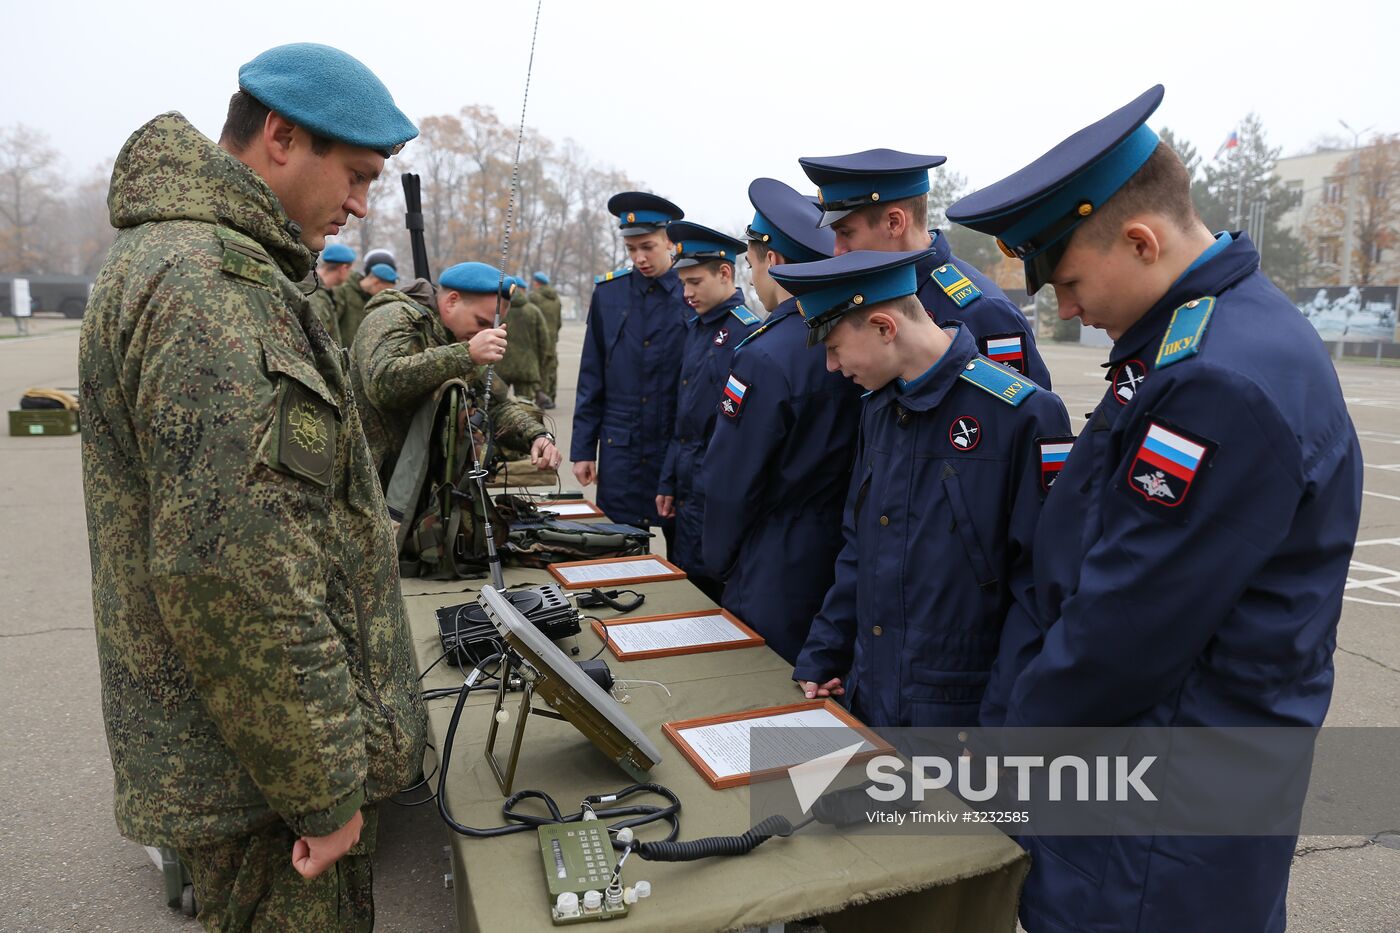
<point x="1054" y="451"/>
<point x="1166" y="464"/>
<point x="1006" y="349"/>
<point x="733" y="398"/>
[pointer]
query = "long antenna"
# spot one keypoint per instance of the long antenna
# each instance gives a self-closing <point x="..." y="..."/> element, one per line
<point x="493" y="559"/>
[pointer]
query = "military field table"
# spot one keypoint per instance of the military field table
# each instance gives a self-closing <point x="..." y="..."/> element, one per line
<point x="866" y="882"/>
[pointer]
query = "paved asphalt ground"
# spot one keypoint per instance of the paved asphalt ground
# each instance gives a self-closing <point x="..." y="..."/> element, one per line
<point x="64" y="867"/>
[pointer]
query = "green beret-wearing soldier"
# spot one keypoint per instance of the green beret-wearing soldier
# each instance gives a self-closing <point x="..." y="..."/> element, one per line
<point x="332" y="271"/>
<point x="257" y="674"/>
<point x="413" y="341"/>
<point x="546" y="298"/>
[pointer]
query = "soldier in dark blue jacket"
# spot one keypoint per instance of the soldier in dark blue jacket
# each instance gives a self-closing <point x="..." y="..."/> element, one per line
<point x="1191" y="559"/>
<point x="878" y="200"/>
<point x="625" y="411"/>
<point x="779" y="463"/>
<point x="942" y="504"/>
<point x="704" y="263"/>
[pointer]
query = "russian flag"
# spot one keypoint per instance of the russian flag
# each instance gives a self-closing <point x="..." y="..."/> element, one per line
<point x="735" y="390"/>
<point x="1231" y="142"/>
<point x="1005" y="350"/>
<point x="1171" y="453"/>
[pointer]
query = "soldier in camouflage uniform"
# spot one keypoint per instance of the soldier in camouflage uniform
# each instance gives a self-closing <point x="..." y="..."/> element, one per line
<point x="257" y="675"/>
<point x="351" y="297"/>
<point x="332" y="271"/>
<point x="546" y="298"/>
<point x="405" y="350"/>
<point x="520" y="369"/>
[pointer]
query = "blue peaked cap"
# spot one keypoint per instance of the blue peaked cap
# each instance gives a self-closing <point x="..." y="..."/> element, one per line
<point x="829" y="289"/>
<point x="330" y="93"/>
<point x="477" y="278"/>
<point x="638" y="212"/>
<point x="847" y="182"/>
<point x="337" y="253"/>
<point x="1033" y="212"/>
<point x="696" y="244"/>
<point x="786" y="221"/>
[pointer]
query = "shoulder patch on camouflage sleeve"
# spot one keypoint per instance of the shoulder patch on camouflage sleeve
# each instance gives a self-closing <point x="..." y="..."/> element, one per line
<point x="246" y="260"/>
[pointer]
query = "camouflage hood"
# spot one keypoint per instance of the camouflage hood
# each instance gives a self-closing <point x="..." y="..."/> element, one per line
<point x="168" y="170"/>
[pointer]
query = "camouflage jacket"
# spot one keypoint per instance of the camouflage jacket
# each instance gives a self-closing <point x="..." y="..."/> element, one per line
<point x="521" y="366"/>
<point x="350" y="301"/>
<point x="546" y="298"/>
<point x="252" y="644"/>
<point x="324" y="306"/>
<point x="401" y="355"/>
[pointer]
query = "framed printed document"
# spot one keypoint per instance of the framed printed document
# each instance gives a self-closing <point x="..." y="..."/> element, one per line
<point x="719" y="747"/>
<point x="643" y="568"/>
<point x="571" y="508"/>
<point x="677" y="633"/>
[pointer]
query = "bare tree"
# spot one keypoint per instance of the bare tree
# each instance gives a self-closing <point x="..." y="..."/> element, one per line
<point x="30" y="186"/>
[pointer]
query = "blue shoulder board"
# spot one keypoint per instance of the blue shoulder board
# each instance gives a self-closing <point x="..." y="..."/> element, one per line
<point x="609" y="276"/>
<point x="956" y="285"/>
<point x="744" y="315"/>
<point x="998" y="380"/>
<point x="754" y="334"/>
<point x="1183" y="338"/>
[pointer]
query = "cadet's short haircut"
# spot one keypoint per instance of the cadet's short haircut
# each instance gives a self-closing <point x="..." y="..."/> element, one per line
<point x="907" y="305"/>
<point x="1161" y="186"/>
<point x="916" y="207"/>
<point x="760" y="248"/>
<point x="245" y="120"/>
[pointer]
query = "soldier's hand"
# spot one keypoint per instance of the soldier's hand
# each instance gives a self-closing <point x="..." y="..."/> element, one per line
<point x="488" y="346"/>
<point x="312" y="855"/>
<point x="586" y="472"/>
<point x="543" y="453"/>
<point x="812" y="690"/>
<point x="666" y="506"/>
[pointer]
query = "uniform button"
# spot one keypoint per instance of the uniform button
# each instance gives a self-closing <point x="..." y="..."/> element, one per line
<point x="644" y="459"/>
<point x="650" y="289"/>
<point x="646" y="343"/>
<point x="877" y="631"/>
<point x="644" y="399"/>
<point x="884" y="519"/>
<point x="609" y="442"/>
<point x="971" y="366"/>
<point x="684" y="440"/>
<point x="1192" y="303"/>
<point x="685" y="382"/>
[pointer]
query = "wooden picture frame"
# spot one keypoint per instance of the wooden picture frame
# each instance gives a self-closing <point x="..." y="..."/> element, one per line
<point x="751" y="638"/>
<point x="674" y="731"/>
<point x="675" y="573"/>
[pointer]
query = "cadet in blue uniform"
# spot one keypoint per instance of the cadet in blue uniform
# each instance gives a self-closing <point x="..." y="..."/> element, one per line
<point x="625" y="410"/>
<point x="779" y="463"/>
<point x="704" y="263"/>
<point x="1191" y="559"/>
<point x="942" y="505"/>
<point x="878" y="200"/>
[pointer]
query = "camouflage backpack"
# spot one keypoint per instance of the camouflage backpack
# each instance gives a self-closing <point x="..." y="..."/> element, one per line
<point x="538" y="540"/>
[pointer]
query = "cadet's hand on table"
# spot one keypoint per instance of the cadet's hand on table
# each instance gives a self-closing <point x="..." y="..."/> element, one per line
<point x="586" y="472"/>
<point x="813" y="690"/>
<point x="543" y="453"/>
<point x="666" y="506"/>
<point x="488" y="346"/>
<point x="312" y="855"/>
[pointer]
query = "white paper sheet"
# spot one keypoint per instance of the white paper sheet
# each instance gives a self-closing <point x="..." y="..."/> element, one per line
<point x="619" y="570"/>
<point x="565" y="509"/>
<point x="725" y="746"/>
<point x="712" y="629"/>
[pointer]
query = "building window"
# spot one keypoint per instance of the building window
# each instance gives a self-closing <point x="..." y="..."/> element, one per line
<point x="1332" y="190"/>
<point x="1375" y="251"/>
<point x="1329" y="251"/>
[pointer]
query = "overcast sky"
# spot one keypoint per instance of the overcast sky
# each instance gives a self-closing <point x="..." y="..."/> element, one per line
<point x="698" y="100"/>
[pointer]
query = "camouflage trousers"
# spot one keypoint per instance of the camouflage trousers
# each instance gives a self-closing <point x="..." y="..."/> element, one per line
<point x="248" y="883"/>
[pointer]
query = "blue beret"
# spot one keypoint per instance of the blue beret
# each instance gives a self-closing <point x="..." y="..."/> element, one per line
<point x="477" y="278"/>
<point x="829" y="289"/>
<point x="382" y="270"/>
<point x="337" y="253"/>
<point x="696" y="244"/>
<point x="787" y="222"/>
<point x="1033" y="212"/>
<point x="638" y="212"/>
<point x="541" y="277"/>
<point x="330" y="93"/>
<point x="847" y="182"/>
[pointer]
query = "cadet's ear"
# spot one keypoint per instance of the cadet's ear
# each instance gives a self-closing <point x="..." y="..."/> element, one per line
<point x="896" y="222"/>
<point x="1143" y="242"/>
<point x="885" y="324"/>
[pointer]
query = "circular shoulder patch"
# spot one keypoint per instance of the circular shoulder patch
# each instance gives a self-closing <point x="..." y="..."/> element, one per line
<point x="1127" y="377"/>
<point x="965" y="433"/>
